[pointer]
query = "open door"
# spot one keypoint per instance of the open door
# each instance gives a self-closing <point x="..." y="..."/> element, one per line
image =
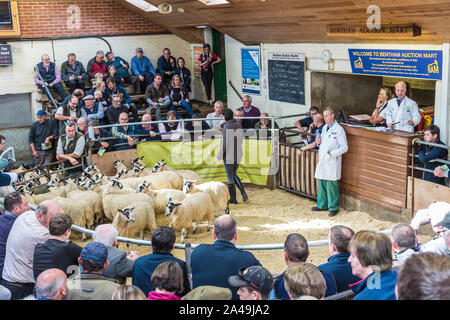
<point x="220" y="69"/>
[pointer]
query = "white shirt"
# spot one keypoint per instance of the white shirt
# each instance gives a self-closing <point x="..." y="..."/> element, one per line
<point x="408" y="110"/>
<point x="25" y="234"/>
<point x="214" y="123"/>
<point x="73" y="113"/>
<point x="332" y="146"/>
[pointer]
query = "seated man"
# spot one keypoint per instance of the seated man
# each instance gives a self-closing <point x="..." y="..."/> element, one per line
<point x="51" y="285"/>
<point x="337" y="264"/>
<point x="149" y="129"/>
<point x="165" y="66"/>
<point x="157" y="96"/>
<point x="266" y="124"/>
<point x="246" y="124"/>
<point x="429" y="153"/>
<point x="114" y="90"/>
<point x="197" y="128"/>
<point x="98" y="134"/>
<point x="113" y="112"/>
<point x="42" y="133"/>
<point x="79" y="93"/>
<point x="404" y="242"/>
<point x="73" y="73"/>
<point x="50" y="75"/>
<point x="143" y="69"/>
<point x="306" y="122"/>
<point x="97" y="65"/>
<point x="316" y="129"/>
<point x="254" y="283"/>
<point x="250" y="110"/>
<point x="222" y="257"/>
<point x="93" y="109"/>
<point x="296" y="250"/>
<point x="82" y="127"/>
<point x="122" y="68"/>
<point x="170" y="131"/>
<point x="124" y="133"/>
<point x="215" y="124"/>
<point x="71" y="111"/>
<point x="70" y="148"/>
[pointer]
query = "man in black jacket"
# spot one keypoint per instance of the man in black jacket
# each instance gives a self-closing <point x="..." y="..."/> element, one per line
<point x="41" y="138"/>
<point x="73" y="73"/>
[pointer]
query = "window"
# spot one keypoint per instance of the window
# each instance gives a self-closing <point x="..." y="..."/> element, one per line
<point x="9" y="19"/>
<point x="143" y="5"/>
<point x="213" y="2"/>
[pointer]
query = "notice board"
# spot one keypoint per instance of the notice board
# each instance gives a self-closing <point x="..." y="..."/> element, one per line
<point x="286" y="73"/>
<point x="5" y="55"/>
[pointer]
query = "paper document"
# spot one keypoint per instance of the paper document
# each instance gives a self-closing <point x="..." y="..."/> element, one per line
<point x="360" y="117"/>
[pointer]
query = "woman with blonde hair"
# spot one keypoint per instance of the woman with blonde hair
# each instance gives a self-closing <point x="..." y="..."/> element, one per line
<point x="371" y="260"/>
<point x="128" y="292"/>
<point x="384" y="96"/>
<point x="179" y="96"/>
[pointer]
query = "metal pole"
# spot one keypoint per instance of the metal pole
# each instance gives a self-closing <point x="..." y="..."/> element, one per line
<point x="412" y="177"/>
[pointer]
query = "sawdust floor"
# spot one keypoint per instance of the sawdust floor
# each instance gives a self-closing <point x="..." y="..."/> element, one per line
<point x="267" y="218"/>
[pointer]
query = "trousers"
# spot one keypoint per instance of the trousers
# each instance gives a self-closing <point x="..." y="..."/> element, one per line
<point x="328" y="195"/>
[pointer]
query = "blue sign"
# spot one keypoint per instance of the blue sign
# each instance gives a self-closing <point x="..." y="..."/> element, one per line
<point x="422" y="64"/>
<point x="251" y="80"/>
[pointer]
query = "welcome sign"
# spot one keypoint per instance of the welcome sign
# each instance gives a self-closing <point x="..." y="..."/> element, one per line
<point x="422" y="64"/>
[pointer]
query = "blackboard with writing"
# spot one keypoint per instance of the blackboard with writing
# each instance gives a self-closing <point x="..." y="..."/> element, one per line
<point x="287" y="81"/>
<point x="5" y="55"/>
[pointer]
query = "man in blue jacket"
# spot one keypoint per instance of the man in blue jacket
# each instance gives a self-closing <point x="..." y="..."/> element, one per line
<point x="115" y="90"/>
<point x="213" y="264"/>
<point x="337" y="264"/>
<point x="163" y="242"/>
<point x="429" y="153"/>
<point x="143" y="69"/>
<point x="6" y="178"/>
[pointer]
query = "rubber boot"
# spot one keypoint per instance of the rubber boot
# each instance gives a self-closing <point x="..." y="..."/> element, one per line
<point x="232" y="190"/>
<point x="241" y="188"/>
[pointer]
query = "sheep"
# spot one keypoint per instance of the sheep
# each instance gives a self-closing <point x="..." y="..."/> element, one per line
<point x="38" y="198"/>
<point x="218" y="192"/>
<point x="131" y="220"/>
<point x="77" y="209"/>
<point x="137" y="162"/>
<point x="193" y="209"/>
<point x="94" y="199"/>
<point x="159" y="180"/>
<point x="185" y="174"/>
<point x="115" y="198"/>
<point x="119" y="165"/>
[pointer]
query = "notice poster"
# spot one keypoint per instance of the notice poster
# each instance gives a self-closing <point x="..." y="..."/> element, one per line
<point x="422" y="64"/>
<point x="5" y="55"/>
<point x="197" y="51"/>
<point x="251" y="79"/>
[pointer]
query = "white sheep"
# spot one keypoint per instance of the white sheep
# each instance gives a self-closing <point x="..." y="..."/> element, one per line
<point x="218" y="192"/>
<point x="185" y="174"/>
<point x="159" y="180"/>
<point x="36" y="199"/>
<point x="95" y="201"/>
<point x="77" y="209"/>
<point x="195" y="208"/>
<point x="119" y="198"/>
<point x="132" y="220"/>
<point x="119" y="165"/>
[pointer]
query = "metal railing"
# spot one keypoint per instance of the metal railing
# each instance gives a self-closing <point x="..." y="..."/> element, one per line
<point x="412" y="166"/>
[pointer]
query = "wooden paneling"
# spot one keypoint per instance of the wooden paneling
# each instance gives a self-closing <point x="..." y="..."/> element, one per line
<point x="300" y="21"/>
<point x="375" y="168"/>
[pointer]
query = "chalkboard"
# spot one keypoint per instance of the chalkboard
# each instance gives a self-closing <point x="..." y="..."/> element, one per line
<point x="287" y="81"/>
<point x="5" y="55"/>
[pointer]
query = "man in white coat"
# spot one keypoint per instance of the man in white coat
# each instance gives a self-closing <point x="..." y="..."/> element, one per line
<point x="328" y="170"/>
<point x="401" y="113"/>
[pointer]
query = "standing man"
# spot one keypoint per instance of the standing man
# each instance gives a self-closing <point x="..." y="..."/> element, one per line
<point x="70" y="147"/>
<point x="157" y="96"/>
<point x="123" y="69"/>
<point x="165" y="67"/>
<point x="73" y="73"/>
<point x="143" y="69"/>
<point x="250" y="110"/>
<point x="51" y="76"/>
<point x="328" y="170"/>
<point x="401" y="113"/>
<point x="427" y="154"/>
<point x="42" y="134"/>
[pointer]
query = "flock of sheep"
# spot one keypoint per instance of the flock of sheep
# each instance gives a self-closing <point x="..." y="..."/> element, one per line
<point x="135" y="196"/>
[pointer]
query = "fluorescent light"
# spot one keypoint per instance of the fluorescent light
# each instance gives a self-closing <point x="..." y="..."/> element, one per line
<point x="213" y="2"/>
<point x="143" y="5"/>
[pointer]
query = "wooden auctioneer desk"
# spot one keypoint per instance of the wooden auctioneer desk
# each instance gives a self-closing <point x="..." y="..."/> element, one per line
<point x="375" y="169"/>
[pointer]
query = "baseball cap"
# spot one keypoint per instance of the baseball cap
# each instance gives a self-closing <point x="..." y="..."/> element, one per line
<point x="89" y="97"/>
<point x="255" y="277"/>
<point x="139" y="49"/>
<point x="208" y="293"/>
<point x="41" y="113"/>
<point x="94" y="255"/>
<point x="445" y="222"/>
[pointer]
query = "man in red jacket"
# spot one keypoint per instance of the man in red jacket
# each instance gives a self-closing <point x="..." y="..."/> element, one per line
<point x="97" y="65"/>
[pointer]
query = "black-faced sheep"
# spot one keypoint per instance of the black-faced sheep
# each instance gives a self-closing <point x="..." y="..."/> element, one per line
<point x="132" y="220"/>
<point x="218" y="192"/>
